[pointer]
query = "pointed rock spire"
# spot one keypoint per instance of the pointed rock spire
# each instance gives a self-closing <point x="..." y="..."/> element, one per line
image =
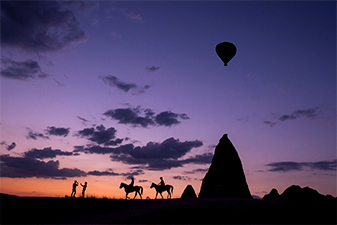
<point x="189" y="192"/>
<point x="225" y="177"/>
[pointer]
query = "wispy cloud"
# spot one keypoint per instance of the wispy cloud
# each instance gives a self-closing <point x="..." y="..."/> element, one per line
<point x="308" y="113"/>
<point x="110" y="172"/>
<point x="152" y="68"/>
<point x="46" y="153"/>
<point x="311" y="113"/>
<point x="8" y="147"/>
<point x="145" y="117"/>
<point x="135" y="17"/>
<point x="113" y="81"/>
<point x="297" y="166"/>
<point x="182" y="178"/>
<point x="35" y="135"/>
<point x="24" y="71"/>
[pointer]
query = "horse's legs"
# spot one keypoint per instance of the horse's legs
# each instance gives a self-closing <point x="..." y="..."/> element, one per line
<point x="126" y="196"/>
<point x="156" y="195"/>
<point x="135" y="195"/>
<point x="161" y="195"/>
<point x="140" y="195"/>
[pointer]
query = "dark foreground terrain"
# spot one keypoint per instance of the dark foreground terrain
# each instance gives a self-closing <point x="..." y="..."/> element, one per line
<point x="44" y="210"/>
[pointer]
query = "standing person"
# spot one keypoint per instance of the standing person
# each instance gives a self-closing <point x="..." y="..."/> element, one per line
<point x="84" y="188"/>
<point x="73" y="193"/>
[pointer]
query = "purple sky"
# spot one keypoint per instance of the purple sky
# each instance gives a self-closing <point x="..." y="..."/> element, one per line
<point x="102" y="91"/>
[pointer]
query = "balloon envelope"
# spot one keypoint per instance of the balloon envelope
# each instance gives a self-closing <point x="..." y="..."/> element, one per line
<point x="226" y="51"/>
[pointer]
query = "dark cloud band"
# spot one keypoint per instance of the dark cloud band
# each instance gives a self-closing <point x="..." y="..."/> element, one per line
<point x="297" y="166"/>
<point x="144" y="117"/>
<point x="24" y="71"/>
<point x="41" y="26"/>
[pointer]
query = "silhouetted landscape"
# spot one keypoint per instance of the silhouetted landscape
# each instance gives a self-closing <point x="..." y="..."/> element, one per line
<point x="44" y="210"/>
<point x="219" y="202"/>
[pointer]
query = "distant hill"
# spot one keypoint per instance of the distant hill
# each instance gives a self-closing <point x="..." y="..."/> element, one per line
<point x="308" y="199"/>
<point x="3" y="195"/>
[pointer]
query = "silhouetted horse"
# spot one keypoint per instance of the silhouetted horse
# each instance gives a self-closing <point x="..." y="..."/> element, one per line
<point x="160" y="189"/>
<point x="128" y="189"/>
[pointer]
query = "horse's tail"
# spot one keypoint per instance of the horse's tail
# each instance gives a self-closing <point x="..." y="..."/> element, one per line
<point x="141" y="190"/>
<point x="172" y="189"/>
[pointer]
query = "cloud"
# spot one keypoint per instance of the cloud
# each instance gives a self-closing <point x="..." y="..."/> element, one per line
<point x="100" y="135"/>
<point x="136" y="17"/>
<point x="95" y="22"/>
<point x="160" y="156"/>
<point x="152" y="68"/>
<point x="198" y="170"/>
<point x="11" y="146"/>
<point x="126" y="87"/>
<point x="246" y="119"/>
<point x="284" y="166"/>
<point x="8" y="147"/>
<point x="24" y="167"/>
<point x="134" y="117"/>
<point x="308" y="113"/>
<point x="26" y="70"/>
<point x="168" y="118"/>
<point x="96" y="149"/>
<point x="82" y="119"/>
<point x="143" y="181"/>
<point x="128" y="175"/>
<point x="42" y="26"/>
<point x="181" y="178"/>
<point x="57" y="131"/>
<point x="153" y="156"/>
<point x="297" y="166"/>
<point x="130" y="116"/>
<point x="311" y="113"/>
<point x="46" y="153"/>
<point x="323" y="165"/>
<point x="271" y="124"/>
<point x="34" y="135"/>
<point x="103" y="173"/>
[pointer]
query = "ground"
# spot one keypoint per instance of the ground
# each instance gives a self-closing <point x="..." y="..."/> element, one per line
<point x="43" y="210"/>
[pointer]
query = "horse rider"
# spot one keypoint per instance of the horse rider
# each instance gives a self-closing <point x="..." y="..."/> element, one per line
<point x="132" y="182"/>
<point x="161" y="183"/>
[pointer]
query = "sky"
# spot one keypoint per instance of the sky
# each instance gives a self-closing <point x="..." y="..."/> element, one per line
<point x="102" y="91"/>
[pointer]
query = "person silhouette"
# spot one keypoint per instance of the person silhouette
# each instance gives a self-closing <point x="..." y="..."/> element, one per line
<point x="132" y="182"/>
<point x="84" y="188"/>
<point x="73" y="193"/>
<point x="161" y="183"/>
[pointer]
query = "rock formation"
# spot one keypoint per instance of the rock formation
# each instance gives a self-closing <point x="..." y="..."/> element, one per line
<point x="323" y="208"/>
<point x="300" y="196"/>
<point x="189" y="192"/>
<point x="273" y="195"/>
<point x="225" y="177"/>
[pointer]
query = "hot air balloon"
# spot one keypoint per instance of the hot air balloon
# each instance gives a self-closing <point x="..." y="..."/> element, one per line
<point x="226" y="51"/>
